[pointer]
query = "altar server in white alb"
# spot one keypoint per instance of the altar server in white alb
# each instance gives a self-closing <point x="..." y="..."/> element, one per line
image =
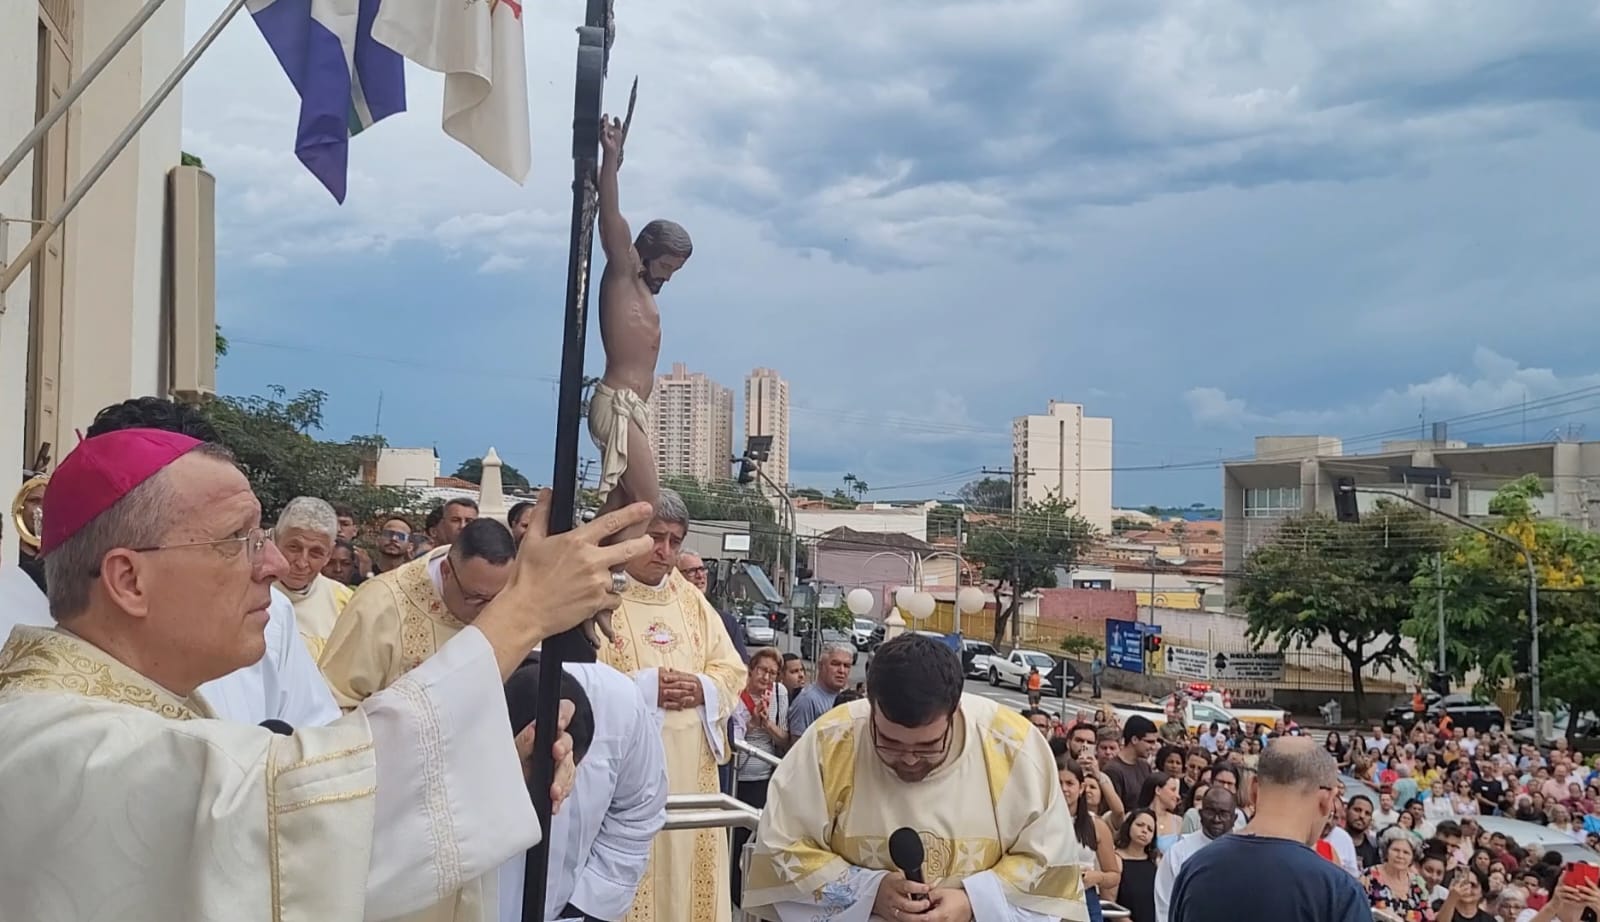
<point x="600" y="841"/>
<point x="284" y="684"/>
<point x="158" y="572"/>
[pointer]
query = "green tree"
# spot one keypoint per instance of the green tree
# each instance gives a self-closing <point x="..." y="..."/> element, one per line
<point x="271" y="439"/>
<point x="943" y="520"/>
<point x="1484" y="585"/>
<point x="725" y="500"/>
<point x="1022" y="551"/>
<point x="472" y="470"/>
<point x="1349" y="583"/>
<point x="987" y="494"/>
<point x="222" y="343"/>
<point x="1080" y="646"/>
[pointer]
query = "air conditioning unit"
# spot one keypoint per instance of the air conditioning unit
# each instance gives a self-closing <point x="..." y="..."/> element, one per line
<point x="192" y="282"/>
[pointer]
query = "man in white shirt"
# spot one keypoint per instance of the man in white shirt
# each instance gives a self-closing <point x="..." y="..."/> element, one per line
<point x="600" y="841"/>
<point x="1217" y="810"/>
<point x="284" y="685"/>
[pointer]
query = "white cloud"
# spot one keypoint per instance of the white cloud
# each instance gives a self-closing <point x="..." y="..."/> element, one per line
<point x="268" y="260"/>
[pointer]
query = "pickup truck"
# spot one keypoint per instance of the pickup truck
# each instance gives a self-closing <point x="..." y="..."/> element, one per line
<point x="1059" y="677"/>
<point x="1198" y="715"/>
<point x="1465" y="713"/>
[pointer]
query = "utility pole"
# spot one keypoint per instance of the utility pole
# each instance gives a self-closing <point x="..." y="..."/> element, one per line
<point x="1013" y="473"/>
<point x="1438" y="578"/>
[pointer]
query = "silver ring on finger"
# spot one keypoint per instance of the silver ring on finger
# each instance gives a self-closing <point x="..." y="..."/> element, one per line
<point x="619" y="582"/>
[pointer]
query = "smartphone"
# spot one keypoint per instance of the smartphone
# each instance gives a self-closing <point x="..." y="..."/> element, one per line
<point x="1580" y="874"/>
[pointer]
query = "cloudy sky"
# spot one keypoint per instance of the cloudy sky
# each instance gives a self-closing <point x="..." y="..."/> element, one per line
<point x="1208" y="220"/>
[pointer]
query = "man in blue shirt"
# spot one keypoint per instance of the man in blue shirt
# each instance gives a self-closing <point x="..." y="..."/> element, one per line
<point x="1297" y="787"/>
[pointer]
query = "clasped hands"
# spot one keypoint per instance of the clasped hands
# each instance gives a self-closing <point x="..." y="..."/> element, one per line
<point x="899" y="898"/>
<point x="678" y="691"/>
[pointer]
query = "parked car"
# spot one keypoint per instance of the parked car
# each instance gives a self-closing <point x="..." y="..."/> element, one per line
<point x="814" y="641"/>
<point x="758" y="631"/>
<point x="1465" y="713"/>
<point x="975" y="656"/>
<point x="1059" y="676"/>
<point x="861" y="632"/>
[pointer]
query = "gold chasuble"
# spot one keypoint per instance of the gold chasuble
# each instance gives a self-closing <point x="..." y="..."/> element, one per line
<point x="393" y="622"/>
<point x="824" y="838"/>
<point x="274" y="828"/>
<point x="316" y="610"/>
<point x="672" y="626"/>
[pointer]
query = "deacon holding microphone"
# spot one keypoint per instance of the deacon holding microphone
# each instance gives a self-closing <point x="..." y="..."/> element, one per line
<point x="919" y="802"/>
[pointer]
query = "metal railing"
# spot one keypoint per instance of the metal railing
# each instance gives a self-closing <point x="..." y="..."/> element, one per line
<point x="743" y="747"/>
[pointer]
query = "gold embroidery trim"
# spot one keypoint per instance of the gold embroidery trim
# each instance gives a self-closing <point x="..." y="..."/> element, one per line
<point x="272" y="829"/>
<point x="47" y="660"/>
<point x="327" y="799"/>
<point x="327" y="757"/>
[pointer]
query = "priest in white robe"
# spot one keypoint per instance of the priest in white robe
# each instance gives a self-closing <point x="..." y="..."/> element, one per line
<point x="600" y="841"/>
<point x="971" y="778"/>
<point x="159" y="574"/>
<point x="304" y="533"/>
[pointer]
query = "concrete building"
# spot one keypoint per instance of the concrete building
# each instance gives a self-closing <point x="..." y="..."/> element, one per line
<point x="1294" y="475"/>
<point x="405" y="467"/>
<point x="95" y="321"/>
<point x="766" y="412"/>
<point x="1066" y="454"/>
<point x="875" y="518"/>
<point x="693" y="417"/>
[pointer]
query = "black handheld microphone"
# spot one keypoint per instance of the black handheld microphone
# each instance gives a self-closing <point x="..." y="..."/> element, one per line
<point x="277" y="726"/>
<point x="905" y="850"/>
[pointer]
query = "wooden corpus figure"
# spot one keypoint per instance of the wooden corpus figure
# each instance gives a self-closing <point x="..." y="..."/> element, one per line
<point x="630" y="330"/>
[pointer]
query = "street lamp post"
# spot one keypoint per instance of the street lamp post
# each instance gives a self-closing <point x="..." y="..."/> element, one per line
<point x="1155" y="562"/>
<point x="1347" y="485"/>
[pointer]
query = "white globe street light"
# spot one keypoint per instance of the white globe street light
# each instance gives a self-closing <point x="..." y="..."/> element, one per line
<point x="902" y="597"/>
<point x="920" y="605"/>
<point x="859" y="601"/>
<point x="970" y="600"/>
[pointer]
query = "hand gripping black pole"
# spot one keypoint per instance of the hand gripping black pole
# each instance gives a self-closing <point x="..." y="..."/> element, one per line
<point x="594" y="44"/>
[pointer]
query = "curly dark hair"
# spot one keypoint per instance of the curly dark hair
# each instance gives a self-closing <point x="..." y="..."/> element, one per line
<point x="915" y="680"/>
<point x="154" y="413"/>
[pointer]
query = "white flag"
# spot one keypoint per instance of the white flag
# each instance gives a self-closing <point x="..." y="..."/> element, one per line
<point x="477" y="45"/>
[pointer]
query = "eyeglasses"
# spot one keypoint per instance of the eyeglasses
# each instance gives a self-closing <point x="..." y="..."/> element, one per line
<point x="253" y="540"/>
<point x="694" y="570"/>
<point x="767" y="671"/>
<point x="401" y="536"/>
<point x="475" y="599"/>
<point x="923" y="753"/>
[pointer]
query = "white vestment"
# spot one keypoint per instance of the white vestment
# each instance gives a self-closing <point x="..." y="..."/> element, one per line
<point x="283" y="685"/>
<point x="600" y="841"/>
<point x="123" y="803"/>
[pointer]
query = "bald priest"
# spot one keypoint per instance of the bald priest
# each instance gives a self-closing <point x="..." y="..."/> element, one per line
<point x="125" y="801"/>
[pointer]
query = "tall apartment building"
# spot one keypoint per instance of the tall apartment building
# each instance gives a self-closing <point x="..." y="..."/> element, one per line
<point x="766" y="412"/>
<point x="1067" y="454"/>
<point x="693" y="417"/>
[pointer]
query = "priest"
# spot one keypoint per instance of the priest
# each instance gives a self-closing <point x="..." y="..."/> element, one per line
<point x="970" y="778"/>
<point x="398" y="619"/>
<point x="159" y="578"/>
<point x="672" y="642"/>
<point x="284" y="684"/>
<point x="304" y="533"/>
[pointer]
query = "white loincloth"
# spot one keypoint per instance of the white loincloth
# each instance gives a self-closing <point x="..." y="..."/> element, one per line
<point x="610" y="410"/>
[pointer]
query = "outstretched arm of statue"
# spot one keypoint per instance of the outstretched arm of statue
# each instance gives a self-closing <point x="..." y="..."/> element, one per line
<point x="615" y="237"/>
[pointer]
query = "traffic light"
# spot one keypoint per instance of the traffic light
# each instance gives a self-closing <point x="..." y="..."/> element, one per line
<point x="747" y="471"/>
<point x="1152" y="643"/>
<point x="1344" y="500"/>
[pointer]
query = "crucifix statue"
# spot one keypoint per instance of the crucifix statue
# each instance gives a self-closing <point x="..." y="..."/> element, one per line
<point x="630" y="329"/>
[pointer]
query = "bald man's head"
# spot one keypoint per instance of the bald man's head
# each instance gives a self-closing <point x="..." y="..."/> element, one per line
<point x="1217" y="812"/>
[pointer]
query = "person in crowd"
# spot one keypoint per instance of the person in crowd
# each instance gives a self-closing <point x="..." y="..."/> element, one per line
<point x="1140" y="861"/>
<point x="917" y="753"/>
<point x="517" y="519"/>
<point x="1395" y="887"/>
<point x="671" y="641"/>
<point x="1131" y="767"/>
<point x="1358" y="824"/>
<point x="160" y="576"/>
<point x="1160" y="793"/>
<point x="1217" y="811"/>
<point x="794" y="674"/>
<point x="1097" y="851"/>
<point x="400" y="617"/>
<point x="760" y="721"/>
<point x="820" y="697"/>
<point x="1297" y="785"/>
<point x="342" y="566"/>
<point x="446" y="522"/>
<point x="305" y="533"/>
<point x="393" y="546"/>
<point x="283" y="684"/>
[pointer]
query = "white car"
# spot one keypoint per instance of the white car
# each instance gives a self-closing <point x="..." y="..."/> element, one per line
<point x="980" y="652"/>
<point x="1013" y="670"/>
<point x="861" y="632"/>
<point x="758" y="631"/>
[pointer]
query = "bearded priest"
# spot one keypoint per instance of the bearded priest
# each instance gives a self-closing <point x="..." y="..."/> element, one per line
<point x="160" y="576"/>
<point x="671" y="641"/>
<point x="398" y="619"/>
<point x="968" y="782"/>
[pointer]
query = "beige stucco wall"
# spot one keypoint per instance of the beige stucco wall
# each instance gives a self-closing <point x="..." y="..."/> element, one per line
<point x="111" y="325"/>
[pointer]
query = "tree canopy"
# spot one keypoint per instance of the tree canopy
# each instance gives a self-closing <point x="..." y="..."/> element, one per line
<point x="1484" y="586"/>
<point x="731" y="501"/>
<point x="1021" y="552"/>
<point x="987" y="494"/>
<point x="1349" y="583"/>
<point x="471" y="470"/>
<point x="271" y="439"/>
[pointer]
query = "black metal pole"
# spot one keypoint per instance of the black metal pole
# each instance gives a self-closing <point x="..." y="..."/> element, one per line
<point x="572" y="646"/>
